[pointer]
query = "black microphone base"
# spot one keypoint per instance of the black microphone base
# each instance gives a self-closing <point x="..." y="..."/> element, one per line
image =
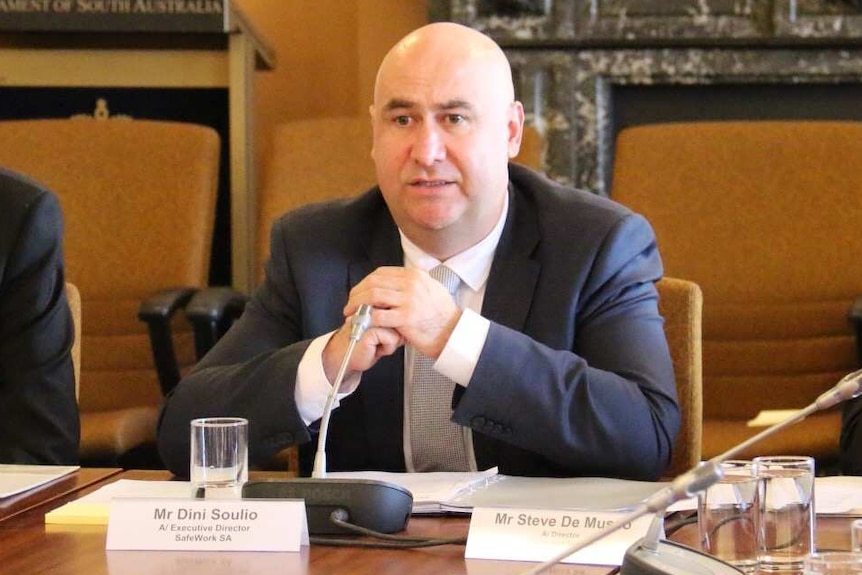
<point x="671" y="558"/>
<point x="376" y="505"/>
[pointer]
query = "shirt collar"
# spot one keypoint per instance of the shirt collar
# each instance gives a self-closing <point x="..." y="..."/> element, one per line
<point x="473" y="265"/>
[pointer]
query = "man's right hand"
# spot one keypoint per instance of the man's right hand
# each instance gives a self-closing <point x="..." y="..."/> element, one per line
<point x="375" y="343"/>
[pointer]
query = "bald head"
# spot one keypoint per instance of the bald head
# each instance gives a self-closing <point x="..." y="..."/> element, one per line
<point x="445" y="124"/>
<point x="449" y="46"/>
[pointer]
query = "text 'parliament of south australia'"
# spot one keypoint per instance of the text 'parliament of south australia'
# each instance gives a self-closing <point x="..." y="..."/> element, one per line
<point x="113" y="6"/>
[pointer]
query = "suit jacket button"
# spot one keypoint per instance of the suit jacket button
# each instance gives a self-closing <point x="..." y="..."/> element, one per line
<point x="478" y="422"/>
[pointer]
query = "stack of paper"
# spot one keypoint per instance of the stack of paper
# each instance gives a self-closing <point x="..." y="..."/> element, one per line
<point x="93" y="508"/>
<point x="16" y="479"/>
<point x="432" y="492"/>
<point x="461" y="492"/>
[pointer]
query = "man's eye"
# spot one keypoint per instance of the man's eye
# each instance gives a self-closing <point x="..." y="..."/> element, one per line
<point x="402" y="120"/>
<point x="455" y="119"/>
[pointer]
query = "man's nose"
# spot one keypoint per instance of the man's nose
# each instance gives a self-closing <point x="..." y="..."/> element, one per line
<point x="428" y="146"/>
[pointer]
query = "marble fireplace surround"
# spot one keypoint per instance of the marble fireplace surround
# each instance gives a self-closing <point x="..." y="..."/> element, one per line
<point x="573" y="59"/>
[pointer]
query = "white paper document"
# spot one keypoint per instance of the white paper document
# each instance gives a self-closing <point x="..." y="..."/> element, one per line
<point x="461" y="492"/>
<point x="838" y="495"/>
<point x="431" y="491"/>
<point x="16" y="479"/>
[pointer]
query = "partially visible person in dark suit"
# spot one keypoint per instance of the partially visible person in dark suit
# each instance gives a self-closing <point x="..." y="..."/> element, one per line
<point x="851" y="438"/>
<point x="550" y="360"/>
<point x="38" y="408"/>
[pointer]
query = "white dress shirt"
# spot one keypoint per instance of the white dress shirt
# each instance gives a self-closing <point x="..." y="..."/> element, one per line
<point x="458" y="359"/>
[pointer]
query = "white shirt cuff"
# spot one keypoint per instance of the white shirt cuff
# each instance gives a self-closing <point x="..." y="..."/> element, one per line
<point x="459" y="358"/>
<point x="312" y="388"/>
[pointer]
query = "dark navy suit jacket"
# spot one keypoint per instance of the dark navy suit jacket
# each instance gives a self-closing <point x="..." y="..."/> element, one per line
<point x="38" y="408"/>
<point x="575" y="377"/>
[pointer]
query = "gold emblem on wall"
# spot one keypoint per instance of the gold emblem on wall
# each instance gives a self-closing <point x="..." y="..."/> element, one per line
<point x="101" y="112"/>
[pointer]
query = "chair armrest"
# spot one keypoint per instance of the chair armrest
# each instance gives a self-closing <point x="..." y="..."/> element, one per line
<point x="855" y="317"/>
<point x="156" y="311"/>
<point x="211" y="312"/>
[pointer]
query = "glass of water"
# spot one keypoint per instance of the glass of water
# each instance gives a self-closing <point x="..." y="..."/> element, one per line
<point x="833" y="563"/>
<point x="727" y="516"/>
<point x="785" y="534"/>
<point x="219" y="457"/>
<point x="856" y="536"/>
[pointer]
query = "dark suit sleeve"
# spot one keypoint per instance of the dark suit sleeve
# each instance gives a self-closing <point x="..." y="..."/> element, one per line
<point x="606" y="406"/>
<point x="851" y="438"/>
<point x="38" y="408"/>
<point x="250" y="372"/>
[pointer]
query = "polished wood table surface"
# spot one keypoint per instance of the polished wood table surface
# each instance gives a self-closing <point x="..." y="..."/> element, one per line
<point x="66" y="485"/>
<point x="28" y="546"/>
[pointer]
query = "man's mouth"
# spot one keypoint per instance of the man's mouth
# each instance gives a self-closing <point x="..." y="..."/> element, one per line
<point x="430" y="183"/>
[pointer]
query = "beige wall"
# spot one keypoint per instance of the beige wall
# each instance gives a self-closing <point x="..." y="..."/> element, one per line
<point x="327" y="54"/>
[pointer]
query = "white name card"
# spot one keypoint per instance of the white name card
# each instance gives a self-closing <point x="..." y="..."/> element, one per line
<point x="207" y="525"/>
<point x="539" y="534"/>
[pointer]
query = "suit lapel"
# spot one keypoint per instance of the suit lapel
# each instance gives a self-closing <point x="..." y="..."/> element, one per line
<point x="510" y="290"/>
<point x="514" y="271"/>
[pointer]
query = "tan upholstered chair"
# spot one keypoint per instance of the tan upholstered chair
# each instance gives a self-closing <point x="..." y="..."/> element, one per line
<point x="138" y="200"/>
<point x="681" y="305"/>
<point x="73" y="296"/>
<point x="764" y="216"/>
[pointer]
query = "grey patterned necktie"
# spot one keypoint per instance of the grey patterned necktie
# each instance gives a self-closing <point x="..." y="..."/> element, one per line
<point x="437" y="444"/>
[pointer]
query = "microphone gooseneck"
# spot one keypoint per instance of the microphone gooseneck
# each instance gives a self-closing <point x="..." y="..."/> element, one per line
<point x="683" y="487"/>
<point x="343" y="506"/>
<point x="849" y="387"/>
<point x="360" y="322"/>
<point x="648" y="557"/>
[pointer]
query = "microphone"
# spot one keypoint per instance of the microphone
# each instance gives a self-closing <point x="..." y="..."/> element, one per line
<point x="360" y="322"/>
<point x="370" y="504"/>
<point x="684" y="486"/>
<point x="652" y="555"/>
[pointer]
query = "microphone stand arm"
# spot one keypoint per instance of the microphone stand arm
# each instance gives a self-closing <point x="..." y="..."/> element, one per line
<point x="847" y="388"/>
<point x="360" y="322"/>
<point x="683" y="487"/>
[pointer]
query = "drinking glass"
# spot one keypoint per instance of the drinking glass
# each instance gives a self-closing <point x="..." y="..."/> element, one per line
<point x="833" y="563"/>
<point x="856" y="536"/>
<point x="727" y="516"/>
<point x="219" y="457"/>
<point x="785" y="534"/>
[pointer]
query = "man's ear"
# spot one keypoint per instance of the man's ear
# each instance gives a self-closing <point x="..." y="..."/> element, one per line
<point x="516" y="128"/>
<point x="371" y="119"/>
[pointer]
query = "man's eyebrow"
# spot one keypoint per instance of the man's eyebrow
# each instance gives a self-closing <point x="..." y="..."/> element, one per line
<point x="456" y="105"/>
<point x="398" y="104"/>
<point x="401" y="104"/>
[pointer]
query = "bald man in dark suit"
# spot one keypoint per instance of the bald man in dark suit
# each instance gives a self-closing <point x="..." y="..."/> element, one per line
<point x="552" y="351"/>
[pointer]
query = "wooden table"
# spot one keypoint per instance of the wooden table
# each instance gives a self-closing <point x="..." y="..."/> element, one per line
<point x="28" y="546"/>
<point x="66" y="485"/>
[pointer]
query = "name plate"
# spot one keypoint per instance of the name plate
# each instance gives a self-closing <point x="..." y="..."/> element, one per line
<point x="206" y="525"/>
<point x="539" y="534"/>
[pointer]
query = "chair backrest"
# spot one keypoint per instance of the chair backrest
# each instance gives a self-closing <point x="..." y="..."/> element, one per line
<point x="327" y="158"/>
<point x="312" y="161"/>
<point x="138" y="199"/>
<point x="73" y="296"/>
<point x="764" y="216"/>
<point x="681" y="305"/>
